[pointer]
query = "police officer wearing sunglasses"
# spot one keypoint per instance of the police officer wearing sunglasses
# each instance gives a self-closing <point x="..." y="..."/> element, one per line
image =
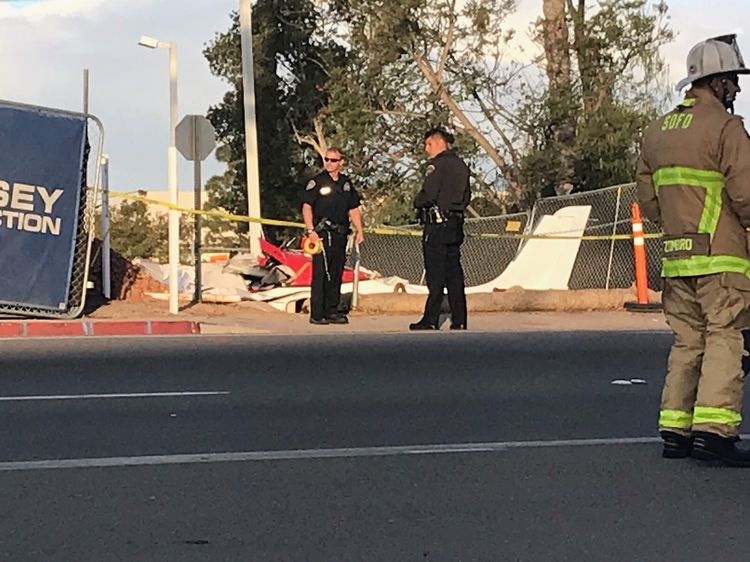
<point x="440" y="206"/>
<point x="329" y="203"/>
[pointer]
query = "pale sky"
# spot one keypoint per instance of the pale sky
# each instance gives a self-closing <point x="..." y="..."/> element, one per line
<point x="46" y="44"/>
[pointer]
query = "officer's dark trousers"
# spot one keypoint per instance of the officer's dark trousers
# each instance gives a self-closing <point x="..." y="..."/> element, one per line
<point x="441" y="246"/>
<point x="328" y="266"/>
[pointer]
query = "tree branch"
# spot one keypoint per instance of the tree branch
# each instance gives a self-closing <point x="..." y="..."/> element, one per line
<point x="394" y="113"/>
<point x="506" y="140"/>
<point x="448" y="41"/>
<point x="491" y="192"/>
<point x="318" y="141"/>
<point x="437" y="86"/>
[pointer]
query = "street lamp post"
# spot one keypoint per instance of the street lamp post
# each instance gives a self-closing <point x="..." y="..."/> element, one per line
<point x="174" y="215"/>
<point x="251" y="136"/>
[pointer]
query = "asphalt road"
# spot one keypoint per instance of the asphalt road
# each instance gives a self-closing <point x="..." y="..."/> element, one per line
<point x="439" y="447"/>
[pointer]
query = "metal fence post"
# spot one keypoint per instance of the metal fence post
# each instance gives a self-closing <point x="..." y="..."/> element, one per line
<point x="612" y="242"/>
<point x="355" y="283"/>
<point x="106" y="240"/>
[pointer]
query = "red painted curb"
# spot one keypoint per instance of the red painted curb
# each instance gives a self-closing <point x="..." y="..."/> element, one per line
<point x="52" y="328"/>
<point x="114" y="328"/>
<point x="11" y="329"/>
<point x="166" y="327"/>
<point x="36" y="329"/>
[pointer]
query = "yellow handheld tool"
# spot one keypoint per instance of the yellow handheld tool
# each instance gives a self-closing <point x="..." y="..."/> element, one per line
<point x="311" y="248"/>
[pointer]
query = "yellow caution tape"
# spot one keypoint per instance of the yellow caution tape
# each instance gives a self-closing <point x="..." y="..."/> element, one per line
<point x="212" y="213"/>
<point x="512" y="226"/>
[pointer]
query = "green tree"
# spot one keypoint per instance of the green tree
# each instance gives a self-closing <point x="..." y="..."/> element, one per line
<point x="291" y="68"/>
<point x="415" y="64"/>
<point x="605" y="80"/>
<point x="371" y="75"/>
<point x="135" y="234"/>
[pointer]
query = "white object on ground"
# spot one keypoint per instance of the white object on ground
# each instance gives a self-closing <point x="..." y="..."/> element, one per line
<point x="545" y="264"/>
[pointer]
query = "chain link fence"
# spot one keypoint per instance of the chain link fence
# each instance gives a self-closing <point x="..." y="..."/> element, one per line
<point x="483" y="257"/>
<point x="606" y="264"/>
<point x="86" y="214"/>
<point x="492" y="243"/>
<point x="600" y="264"/>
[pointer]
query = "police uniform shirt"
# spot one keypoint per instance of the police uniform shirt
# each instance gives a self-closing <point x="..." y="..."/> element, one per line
<point x="446" y="184"/>
<point x="331" y="199"/>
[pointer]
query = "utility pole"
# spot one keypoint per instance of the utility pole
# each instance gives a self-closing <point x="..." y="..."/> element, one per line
<point x="251" y="135"/>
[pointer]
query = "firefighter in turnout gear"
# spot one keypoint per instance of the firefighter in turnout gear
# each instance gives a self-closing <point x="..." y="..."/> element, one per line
<point x="329" y="202"/>
<point x="693" y="180"/>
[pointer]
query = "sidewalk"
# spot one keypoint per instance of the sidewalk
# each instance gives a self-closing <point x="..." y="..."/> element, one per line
<point x="260" y="318"/>
<point x="481" y="322"/>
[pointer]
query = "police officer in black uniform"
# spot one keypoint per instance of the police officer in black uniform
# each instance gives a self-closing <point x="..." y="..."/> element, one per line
<point x="329" y="202"/>
<point x="440" y="205"/>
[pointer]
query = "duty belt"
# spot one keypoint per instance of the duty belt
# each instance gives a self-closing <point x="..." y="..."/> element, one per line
<point x="433" y="215"/>
<point x="327" y="225"/>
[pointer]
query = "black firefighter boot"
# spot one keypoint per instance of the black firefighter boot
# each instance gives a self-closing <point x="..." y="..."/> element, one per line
<point x="713" y="447"/>
<point x="676" y="445"/>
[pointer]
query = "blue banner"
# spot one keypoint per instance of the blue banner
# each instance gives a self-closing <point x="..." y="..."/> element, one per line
<point x="41" y="167"/>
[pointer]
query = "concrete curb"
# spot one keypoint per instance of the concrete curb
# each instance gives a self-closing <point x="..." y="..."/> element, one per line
<point x="55" y="328"/>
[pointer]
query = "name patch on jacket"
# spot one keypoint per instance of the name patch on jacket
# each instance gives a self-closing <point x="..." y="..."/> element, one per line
<point x="677" y="121"/>
<point x="687" y="245"/>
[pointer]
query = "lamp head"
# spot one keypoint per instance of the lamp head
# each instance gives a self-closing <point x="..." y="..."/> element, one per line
<point x="148" y="42"/>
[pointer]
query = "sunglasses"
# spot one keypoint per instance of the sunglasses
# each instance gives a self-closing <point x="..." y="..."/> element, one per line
<point x="332" y="159"/>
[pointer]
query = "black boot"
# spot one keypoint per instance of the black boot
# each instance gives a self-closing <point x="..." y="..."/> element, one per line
<point x="422" y="325"/>
<point x="713" y="447"/>
<point x="676" y="445"/>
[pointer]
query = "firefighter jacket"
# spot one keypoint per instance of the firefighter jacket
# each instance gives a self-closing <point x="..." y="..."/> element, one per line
<point x="693" y="179"/>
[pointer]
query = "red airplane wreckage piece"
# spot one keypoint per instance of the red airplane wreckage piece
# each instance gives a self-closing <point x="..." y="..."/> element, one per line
<point x="291" y="268"/>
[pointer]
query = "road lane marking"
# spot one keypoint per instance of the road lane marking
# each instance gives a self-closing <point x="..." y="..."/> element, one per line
<point x="313" y="454"/>
<point x="108" y="396"/>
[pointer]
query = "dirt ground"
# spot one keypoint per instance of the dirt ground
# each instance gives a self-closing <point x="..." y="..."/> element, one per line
<point x="151" y="308"/>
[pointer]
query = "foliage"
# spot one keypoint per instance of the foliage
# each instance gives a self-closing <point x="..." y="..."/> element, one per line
<point x="136" y="234"/>
<point x="617" y="86"/>
<point x="415" y="64"/>
<point x="370" y="76"/>
<point x="289" y="73"/>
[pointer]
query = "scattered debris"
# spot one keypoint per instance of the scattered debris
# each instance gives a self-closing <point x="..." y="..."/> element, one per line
<point x="625" y="382"/>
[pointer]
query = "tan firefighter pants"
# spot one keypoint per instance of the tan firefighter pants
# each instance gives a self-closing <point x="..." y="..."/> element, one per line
<point x="703" y="387"/>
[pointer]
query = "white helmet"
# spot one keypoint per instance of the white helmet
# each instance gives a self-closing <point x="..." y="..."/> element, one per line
<point x="718" y="55"/>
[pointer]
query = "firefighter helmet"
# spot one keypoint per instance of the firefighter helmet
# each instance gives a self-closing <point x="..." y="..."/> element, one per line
<point x="717" y="55"/>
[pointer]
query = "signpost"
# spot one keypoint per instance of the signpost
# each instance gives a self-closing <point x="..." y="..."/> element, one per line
<point x="195" y="140"/>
